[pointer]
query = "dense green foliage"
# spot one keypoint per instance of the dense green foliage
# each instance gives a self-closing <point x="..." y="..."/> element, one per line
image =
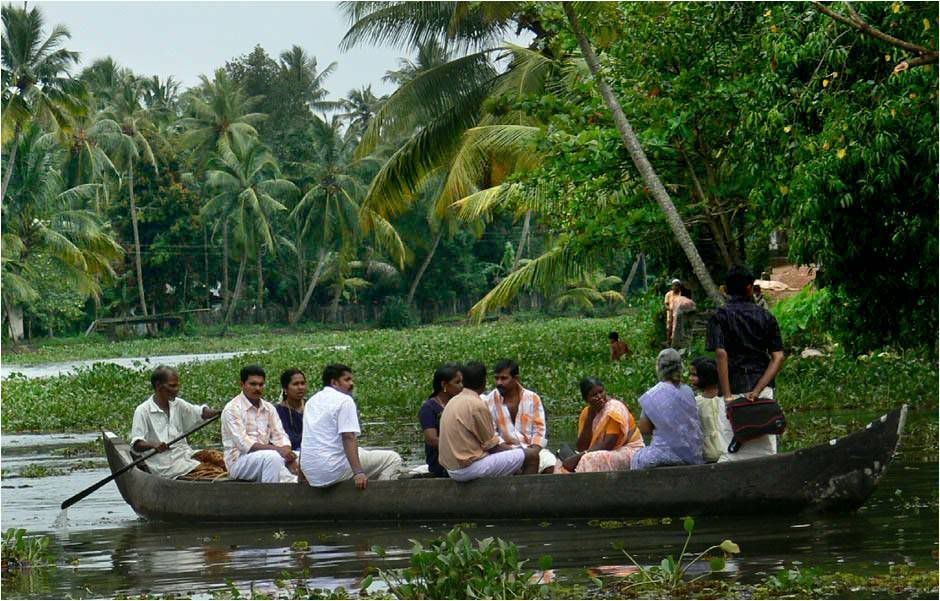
<point x="775" y="128"/>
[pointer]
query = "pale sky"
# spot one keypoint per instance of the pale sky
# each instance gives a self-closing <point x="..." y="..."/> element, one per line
<point x="187" y="39"/>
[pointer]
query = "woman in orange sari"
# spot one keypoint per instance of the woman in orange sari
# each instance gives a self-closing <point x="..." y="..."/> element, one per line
<point x="607" y="434"/>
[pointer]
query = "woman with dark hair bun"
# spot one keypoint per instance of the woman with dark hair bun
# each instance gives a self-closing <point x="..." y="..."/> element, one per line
<point x="607" y="434"/>
<point x="291" y="407"/>
<point x="445" y="385"/>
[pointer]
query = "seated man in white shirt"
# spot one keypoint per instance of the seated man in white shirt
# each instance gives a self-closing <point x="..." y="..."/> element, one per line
<point x="330" y="452"/>
<point x="163" y="417"/>
<point x="256" y="446"/>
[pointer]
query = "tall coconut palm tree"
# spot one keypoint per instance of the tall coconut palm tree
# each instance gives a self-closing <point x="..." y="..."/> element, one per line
<point x="248" y="191"/>
<point x="35" y="72"/>
<point x="329" y="215"/>
<point x="298" y="71"/>
<point x="358" y="107"/>
<point x="42" y="216"/>
<point x="134" y="144"/>
<point x="220" y="115"/>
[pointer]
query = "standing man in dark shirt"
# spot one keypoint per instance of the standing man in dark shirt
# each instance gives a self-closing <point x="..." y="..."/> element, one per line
<point x="748" y="349"/>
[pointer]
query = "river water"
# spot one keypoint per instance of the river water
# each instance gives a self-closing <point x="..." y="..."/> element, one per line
<point x="105" y="550"/>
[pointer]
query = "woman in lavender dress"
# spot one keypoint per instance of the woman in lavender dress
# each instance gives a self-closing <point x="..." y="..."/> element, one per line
<point x="671" y="416"/>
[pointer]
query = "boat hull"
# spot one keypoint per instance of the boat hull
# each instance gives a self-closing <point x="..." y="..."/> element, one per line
<point x="837" y="476"/>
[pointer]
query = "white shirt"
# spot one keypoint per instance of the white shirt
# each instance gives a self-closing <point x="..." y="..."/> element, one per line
<point x="327" y="415"/>
<point x="152" y="424"/>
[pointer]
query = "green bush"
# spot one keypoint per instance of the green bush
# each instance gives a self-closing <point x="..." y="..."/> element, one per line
<point x="804" y="318"/>
<point x="453" y="567"/>
<point x="397" y="314"/>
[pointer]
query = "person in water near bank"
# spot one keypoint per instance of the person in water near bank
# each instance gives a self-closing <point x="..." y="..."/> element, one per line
<point x="163" y="417"/>
<point x="607" y="434"/>
<point x="330" y="451"/>
<point x="445" y="385"/>
<point x="469" y="446"/>
<point x="518" y="414"/>
<point x="748" y="352"/>
<point x="291" y="407"/>
<point x="256" y="447"/>
<point x="618" y="348"/>
<point x="671" y="416"/>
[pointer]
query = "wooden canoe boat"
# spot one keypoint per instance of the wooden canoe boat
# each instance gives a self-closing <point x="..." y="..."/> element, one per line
<point x="834" y="476"/>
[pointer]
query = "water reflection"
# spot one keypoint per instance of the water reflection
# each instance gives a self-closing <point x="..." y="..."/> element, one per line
<point x="114" y="553"/>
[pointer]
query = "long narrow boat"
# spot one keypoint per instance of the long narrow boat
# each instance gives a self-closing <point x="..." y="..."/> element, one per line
<point x="835" y="476"/>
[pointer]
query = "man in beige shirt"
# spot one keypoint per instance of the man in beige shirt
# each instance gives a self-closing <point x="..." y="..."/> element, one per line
<point x="468" y="445"/>
<point x="256" y="446"/>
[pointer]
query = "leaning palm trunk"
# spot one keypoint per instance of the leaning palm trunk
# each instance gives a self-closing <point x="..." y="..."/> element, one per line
<point x="314" y="279"/>
<point x="9" y="168"/>
<point x="424" y="266"/>
<point x="260" y="284"/>
<point x="626" y="285"/>
<point x="225" y="295"/>
<point x="235" y="295"/>
<point x="522" y="240"/>
<point x="137" y="262"/>
<point x="632" y="144"/>
<point x="334" y="306"/>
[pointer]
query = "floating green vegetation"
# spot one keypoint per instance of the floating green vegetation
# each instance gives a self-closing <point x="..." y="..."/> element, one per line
<point x="21" y="551"/>
<point x="824" y="396"/>
<point x="457" y="567"/>
<point x="38" y="470"/>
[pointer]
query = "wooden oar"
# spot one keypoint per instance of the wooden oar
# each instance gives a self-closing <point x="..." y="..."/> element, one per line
<point x="76" y="498"/>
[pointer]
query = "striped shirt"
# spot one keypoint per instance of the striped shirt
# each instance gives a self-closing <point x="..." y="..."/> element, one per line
<point x="529" y="425"/>
<point x="243" y="425"/>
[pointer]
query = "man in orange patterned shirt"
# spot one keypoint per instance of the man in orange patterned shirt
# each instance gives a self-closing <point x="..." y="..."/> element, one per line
<point x="518" y="414"/>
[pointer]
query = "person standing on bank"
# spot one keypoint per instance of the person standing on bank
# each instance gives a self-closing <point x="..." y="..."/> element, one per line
<point x="163" y="417"/>
<point x="256" y="447"/>
<point x="748" y="352"/>
<point x="330" y="451"/>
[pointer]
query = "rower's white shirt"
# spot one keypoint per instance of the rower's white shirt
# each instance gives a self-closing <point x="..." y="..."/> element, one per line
<point x="152" y="424"/>
<point x="327" y="415"/>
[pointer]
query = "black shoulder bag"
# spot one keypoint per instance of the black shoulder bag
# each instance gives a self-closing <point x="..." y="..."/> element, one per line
<point x="752" y="419"/>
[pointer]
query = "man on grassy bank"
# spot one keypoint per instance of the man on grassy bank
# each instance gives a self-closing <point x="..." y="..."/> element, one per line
<point x="469" y="446"/>
<point x="330" y="451"/>
<point x="518" y="414"/>
<point x="256" y="446"/>
<point x="163" y="417"/>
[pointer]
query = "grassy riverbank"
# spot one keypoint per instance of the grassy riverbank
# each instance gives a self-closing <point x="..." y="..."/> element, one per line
<point x="824" y="396"/>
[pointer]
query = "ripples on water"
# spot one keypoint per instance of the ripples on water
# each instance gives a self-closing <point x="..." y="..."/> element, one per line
<point x="106" y="550"/>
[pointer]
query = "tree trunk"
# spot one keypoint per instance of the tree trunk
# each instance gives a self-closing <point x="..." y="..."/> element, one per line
<point x="626" y="285"/>
<point x="302" y="308"/>
<point x="225" y="294"/>
<point x="205" y="254"/>
<point x="334" y="305"/>
<point x="424" y="265"/>
<point x="238" y="291"/>
<point x="522" y="239"/>
<point x="9" y="168"/>
<point x="643" y="269"/>
<point x="16" y="332"/>
<point x="137" y="261"/>
<point x="260" y="302"/>
<point x="632" y="144"/>
<point x="301" y="271"/>
<point x="717" y="232"/>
